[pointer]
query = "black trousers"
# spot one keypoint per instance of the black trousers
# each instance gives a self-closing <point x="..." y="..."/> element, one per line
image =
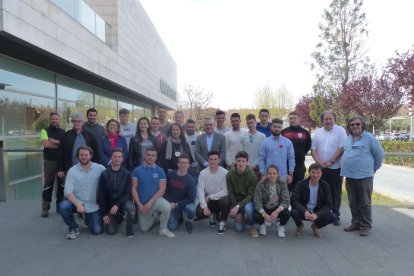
<point x="221" y="207"/>
<point x="284" y="216"/>
<point x="334" y="178"/>
<point x="320" y="222"/>
<point x="298" y="175"/>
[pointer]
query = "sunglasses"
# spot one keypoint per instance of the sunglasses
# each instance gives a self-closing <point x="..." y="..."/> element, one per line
<point x="355" y="124"/>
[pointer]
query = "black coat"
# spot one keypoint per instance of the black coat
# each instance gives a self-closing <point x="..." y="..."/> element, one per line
<point x="66" y="147"/>
<point x="114" y="189"/>
<point x="301" y="195"/>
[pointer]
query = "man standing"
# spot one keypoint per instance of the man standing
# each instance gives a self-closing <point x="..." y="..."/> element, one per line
<point x="241" y="184"/>
<point x="220" y="119"/>
<point x="233" y="141"/>
<point x="191" y="138"/>
<point x="80" y="192"/>
<point x="251" y="142"/>
<point x="327" y="148"/>
<point x="363" y="149"/>
<point x="160" y="137"/>
<point x="264" y="126"/>
<point x="212" y="193"/>
<point x="127" y="129"/>
<point x="277" y="150"/>
<point x="181" y="193"/>
<point x="162" y="115"/>
<point x="92" y="126"/>
<point x="114" y="195"/>
<point x="311" y="200"/>
<point x="148" y="187"/>
<point x="301" y="141"/>
<point x="72" y="140"/>
<point x="208" y="142"/>
<point x="179" y="118"/>
<point x="51" y="138"/>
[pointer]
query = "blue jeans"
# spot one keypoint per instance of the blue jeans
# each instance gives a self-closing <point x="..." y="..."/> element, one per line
<point x="176" y="214"/>
<point x="66" y="210"/>
<point x="247" y="211"/>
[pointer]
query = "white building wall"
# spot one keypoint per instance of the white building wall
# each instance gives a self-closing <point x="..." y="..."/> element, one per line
<point x="137" y="59"/>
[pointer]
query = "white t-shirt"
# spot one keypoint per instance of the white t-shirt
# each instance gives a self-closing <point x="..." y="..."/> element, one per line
<point x="128" y="131"/>
<point x="233" y="145"/>
<point x="327" y="142"/>
<point x="251" y="144"/>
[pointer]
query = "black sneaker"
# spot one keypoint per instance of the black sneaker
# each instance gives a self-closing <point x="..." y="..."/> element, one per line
<point x="129" y="232"/>
<point x="222" y="229"/>
<point x="188" y="225"/>
<point x="213" y="221"/>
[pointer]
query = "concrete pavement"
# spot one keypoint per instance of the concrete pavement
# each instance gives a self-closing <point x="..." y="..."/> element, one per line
<point x="31" y="245"/>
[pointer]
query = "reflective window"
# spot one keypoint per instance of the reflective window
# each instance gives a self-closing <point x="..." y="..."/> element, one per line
<point x="65" y="109"/>
<point x="71" y="90"/>
<point x="106" y="108"/>
<point x="22" y="77"/>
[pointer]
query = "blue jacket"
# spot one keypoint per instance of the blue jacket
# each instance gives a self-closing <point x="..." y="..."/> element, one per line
<point x="105" y="150"/>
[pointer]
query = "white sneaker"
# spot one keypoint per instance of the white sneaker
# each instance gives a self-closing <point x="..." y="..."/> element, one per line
<point x="166" y="232"/>
<point x="268" y="224"/>
<point x="262" y="229"/>
<point x="281" y="231"/>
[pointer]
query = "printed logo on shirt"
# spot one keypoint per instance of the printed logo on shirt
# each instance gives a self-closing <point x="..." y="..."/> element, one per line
<point x="155" y="175"/>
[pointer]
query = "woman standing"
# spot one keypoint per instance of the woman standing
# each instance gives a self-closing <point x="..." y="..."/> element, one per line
<point x="112" y="140"/>
<point x="142" y="141"/>
<point x="271" y="201"/>
<point x="172" y="149"/>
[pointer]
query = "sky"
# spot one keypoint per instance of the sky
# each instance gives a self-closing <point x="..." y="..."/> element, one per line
<point x="232" y="48"/>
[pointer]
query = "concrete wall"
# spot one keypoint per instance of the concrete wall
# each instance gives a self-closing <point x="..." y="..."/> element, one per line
<point x="135" y="57"/>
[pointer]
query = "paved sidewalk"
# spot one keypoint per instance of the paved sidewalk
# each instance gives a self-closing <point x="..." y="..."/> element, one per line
<point x="31" y="245"/>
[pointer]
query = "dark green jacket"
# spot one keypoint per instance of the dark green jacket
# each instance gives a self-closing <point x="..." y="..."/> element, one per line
<point x="240" y="186"/>
<point x="262" y="195"/>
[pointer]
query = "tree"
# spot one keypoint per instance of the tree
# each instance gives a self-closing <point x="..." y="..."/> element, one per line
<point x="374" y="98"/>
<point x="278" y="102"/>
<point x="340" y="56"/>
<point x="194" y="102"/>
<point x="401" y="70"/>
<point x="304" y="108"/>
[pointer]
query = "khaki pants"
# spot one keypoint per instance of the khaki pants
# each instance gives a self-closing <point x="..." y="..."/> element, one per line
<point x="160" y="210"/>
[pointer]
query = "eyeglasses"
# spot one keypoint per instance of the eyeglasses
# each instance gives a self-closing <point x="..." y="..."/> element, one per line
<point x="355" y="124"/>
<point x="76" y="121"/>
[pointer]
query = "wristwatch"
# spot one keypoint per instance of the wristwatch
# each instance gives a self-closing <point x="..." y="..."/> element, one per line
<point x="238" y="206"/>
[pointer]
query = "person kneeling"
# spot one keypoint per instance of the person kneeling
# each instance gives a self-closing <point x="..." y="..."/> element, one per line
<point x="311" y="200"/>
<point x="181" y="193"/>
<point x="114" y="195"/>
<point x="271" y="201"/>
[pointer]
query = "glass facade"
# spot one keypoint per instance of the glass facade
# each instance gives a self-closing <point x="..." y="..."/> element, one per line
<point x="26" y="101"/>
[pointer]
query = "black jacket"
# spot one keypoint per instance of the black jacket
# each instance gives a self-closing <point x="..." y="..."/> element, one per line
<point x="301" y="194"/>
<point x="56" y="133"/>
<point x="135" y="148"/>
<point x="66" y="147"/>
<point x="114" y="189"/>
<point x="301" y="140"/>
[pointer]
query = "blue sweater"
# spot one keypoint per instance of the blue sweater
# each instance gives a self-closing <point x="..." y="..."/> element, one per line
<point x="180" y="189"/>
<point x="105" y="150"/>
<point x="361" y="158"/>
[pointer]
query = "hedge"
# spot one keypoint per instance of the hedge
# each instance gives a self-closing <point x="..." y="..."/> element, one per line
<point x="398" y="146"/>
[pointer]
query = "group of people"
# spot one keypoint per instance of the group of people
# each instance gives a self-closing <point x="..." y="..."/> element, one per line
<point x="162" y="172"/>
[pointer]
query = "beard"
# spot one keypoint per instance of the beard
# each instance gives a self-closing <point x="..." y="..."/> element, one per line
<point x="84" y="161"/>
<point x="276" y="134"/>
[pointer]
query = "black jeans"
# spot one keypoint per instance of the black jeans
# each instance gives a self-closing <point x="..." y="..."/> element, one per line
<point x="221" y="206"/>
<point x="284" y="216"/>
<point x="112" y="227"/>
<point x="320" y="221"/>
<point x="334" y="178"/>
<point x="298" y="175"/>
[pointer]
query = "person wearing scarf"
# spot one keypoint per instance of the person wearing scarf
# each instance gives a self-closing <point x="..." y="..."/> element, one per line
<point x="172" y="149"/>
<point x="111" y="140"/>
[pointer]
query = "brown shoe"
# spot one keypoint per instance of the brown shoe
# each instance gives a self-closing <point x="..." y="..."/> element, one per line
<point x="299" y="230"/>
<point x="352" y="227"/>
<point x="316" y="231"/>
<point x="365" y="231"/>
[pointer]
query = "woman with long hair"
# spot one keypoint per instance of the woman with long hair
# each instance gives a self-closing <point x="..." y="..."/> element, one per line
<point x="138" y="144"/>
<point x="271" y="201"/>
<point x="176" y="145"/>
<point x="112" y="139"/>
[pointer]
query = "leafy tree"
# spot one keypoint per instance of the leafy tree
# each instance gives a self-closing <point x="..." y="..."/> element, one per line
<point x="304" y="108"/>
<point x="401" y="70"/>
<point x="278" y="102"/>
<point x="374" y="98"/>
<point x="340" y="55"/>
